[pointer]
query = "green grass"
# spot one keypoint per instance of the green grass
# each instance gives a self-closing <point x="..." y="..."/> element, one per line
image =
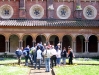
<point x="77" y="70"/>
<point x="86" y="61"/>
<point x="9" y="60"/>
<point x="13" y="70"/>
<point x="82" y="66"/>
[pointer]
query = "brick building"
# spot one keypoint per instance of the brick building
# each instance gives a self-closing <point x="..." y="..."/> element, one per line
<point x="73" y="23"/>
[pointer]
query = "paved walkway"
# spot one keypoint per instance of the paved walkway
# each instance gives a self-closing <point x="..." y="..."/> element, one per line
<point x="39" y="72"/>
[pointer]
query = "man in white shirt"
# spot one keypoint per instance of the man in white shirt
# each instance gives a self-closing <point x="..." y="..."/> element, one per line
<point x="39" y="57"/>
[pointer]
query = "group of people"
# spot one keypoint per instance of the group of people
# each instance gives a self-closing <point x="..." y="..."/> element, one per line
<point x="48" y="54"/>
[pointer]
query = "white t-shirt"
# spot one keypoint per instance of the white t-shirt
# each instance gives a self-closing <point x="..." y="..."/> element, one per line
<point x="53" y="52"/>
<point x="39" y="56"/>
<point x="58" y="54"/>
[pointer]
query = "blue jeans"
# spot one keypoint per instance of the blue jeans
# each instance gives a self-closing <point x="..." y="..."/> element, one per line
<point x="58" y="61"/>
<point x="47" y="64"/>
<point x="64" y="60"/>
<point x="38" y="62"/>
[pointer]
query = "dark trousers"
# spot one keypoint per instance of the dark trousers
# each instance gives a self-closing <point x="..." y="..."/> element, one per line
<point x="53" y="60"/>
<point x="70" y="60"/>
<point x="19" y="60"/>
<point x="26" y="60"/>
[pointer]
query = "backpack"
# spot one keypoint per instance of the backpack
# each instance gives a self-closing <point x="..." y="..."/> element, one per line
<point x="25" y="53"/>
<point x="18" y="53"/>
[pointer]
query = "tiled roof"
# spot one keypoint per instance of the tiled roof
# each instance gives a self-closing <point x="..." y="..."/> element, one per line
<point x="50" y="22"/>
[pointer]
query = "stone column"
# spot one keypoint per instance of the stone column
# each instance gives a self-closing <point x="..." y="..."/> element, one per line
<point x="98" y="46"/>
<point x="20" y="43"/>
<point x="61" y="45"/>
<point x="34" y="42"/>
<point x="74" y="46"/>
<point x="22" y="10"/>
<point x="86" y="46"/>
<point x="50" y="9"/>
<point x="6" y="46"/>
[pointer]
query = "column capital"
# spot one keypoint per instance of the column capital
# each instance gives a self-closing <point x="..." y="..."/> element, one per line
<point x="33" y="41"/>
<point x="74" y="41"/>
<point x="6" y="40"/>
<point x="20" y="40"/>
<point x="86" y="41"/>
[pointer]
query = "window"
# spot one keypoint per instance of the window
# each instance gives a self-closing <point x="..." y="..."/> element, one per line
<point x="36" y="11"/>
<point x="6" y="11"/>
<point x="63" y="12"/>
<point x="90" y="12"/>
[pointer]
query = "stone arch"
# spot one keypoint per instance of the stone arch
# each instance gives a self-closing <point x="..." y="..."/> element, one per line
<point x="27" y="40"/>
<point x="92" y="44"/>
<point x="2" y="43"/>
<point x="41" y="38"/>
<point x="54" y="40"/>
<point x="15" y="34"/>
<point x="13" y="42"/>
<point x="67" y="41"/>
<point x="80" y="43"/>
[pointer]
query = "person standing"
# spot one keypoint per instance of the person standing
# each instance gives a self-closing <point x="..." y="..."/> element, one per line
<point x="39" y="57"/>
<point x="53" y="57"/>
<point x="58" y="46"/>
<point x="47" y="55"/>
<point x="58" y="55"/>
<point x="70" y="55"/>
<point x="64" y="55"/>
<point x="19" y="53"/>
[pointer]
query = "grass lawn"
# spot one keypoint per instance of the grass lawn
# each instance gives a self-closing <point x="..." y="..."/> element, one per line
<point x="10" y="60"/>
<point x="85" y="61"/>
<point x="14" y="70"/>
<point x="82" y="66"/>
<point x="77" y="70"/>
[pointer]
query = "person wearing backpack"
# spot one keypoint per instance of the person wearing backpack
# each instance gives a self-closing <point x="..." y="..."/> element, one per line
<point x="47" y="56"/>
<point x="18" y="53"/>
<point x="26" y="53"/>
